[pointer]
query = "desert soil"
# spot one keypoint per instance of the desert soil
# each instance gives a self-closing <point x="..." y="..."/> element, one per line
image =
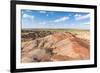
<point x="44" y="46"/>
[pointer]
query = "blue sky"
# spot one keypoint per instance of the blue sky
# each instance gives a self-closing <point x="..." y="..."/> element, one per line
<point x="54" y="19"/>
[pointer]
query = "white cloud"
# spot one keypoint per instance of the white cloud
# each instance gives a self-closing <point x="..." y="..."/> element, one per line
<point x="26" y="11"/>
<point x="61" y="19"/>
<point x="28" y="16"/>
<point x="86" y="23"/>
<point x="47" y="15"/>
<point x="43" y="12"/>
<point x="72" y="24"/>
<point x="27" y="19"/>
<point x="42" y="23"/>
<point x="81" y="17"/>
<point x="77" y="15"/>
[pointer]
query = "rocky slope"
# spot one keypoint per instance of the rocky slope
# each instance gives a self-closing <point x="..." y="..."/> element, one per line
<point x="59" y="46"/>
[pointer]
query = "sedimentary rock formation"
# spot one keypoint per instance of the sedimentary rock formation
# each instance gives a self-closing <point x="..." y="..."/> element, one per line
<point x="59" y="46"/>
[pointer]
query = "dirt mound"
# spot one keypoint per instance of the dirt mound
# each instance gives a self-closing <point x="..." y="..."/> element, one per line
<point x="60" y="46"/>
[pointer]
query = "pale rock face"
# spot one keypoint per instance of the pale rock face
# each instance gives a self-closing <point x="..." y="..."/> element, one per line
<point x="55" y="47"/>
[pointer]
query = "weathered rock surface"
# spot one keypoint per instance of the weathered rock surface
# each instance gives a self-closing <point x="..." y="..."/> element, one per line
<point x="60" y="46"/>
